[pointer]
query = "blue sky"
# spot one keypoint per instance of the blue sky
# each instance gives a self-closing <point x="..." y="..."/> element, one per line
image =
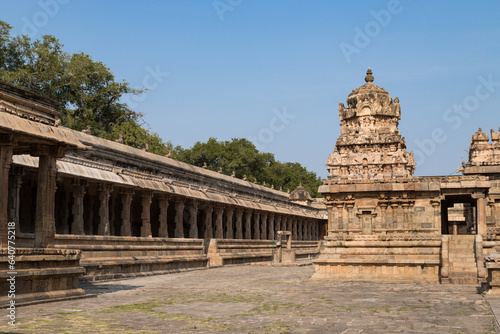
<point x="275" y="71"/>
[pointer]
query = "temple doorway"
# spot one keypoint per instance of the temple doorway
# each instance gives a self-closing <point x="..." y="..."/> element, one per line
<point x="458" y="215"/>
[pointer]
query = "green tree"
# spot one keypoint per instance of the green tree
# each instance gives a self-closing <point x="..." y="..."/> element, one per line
<point x="241" y="156"/>
<point x="290" y="174"/>
<point x="87" y="89"/>
<point x="238" y="155"/>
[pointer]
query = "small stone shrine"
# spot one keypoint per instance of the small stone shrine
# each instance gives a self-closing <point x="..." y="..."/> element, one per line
<point x="386" y="224"/>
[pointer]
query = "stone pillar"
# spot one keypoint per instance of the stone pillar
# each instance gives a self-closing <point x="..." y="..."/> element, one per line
<point x="308" y="230"/>
<point x="481" y="270"/>
<point x="300" y="229"/>
<point x="208" y="221"/>
<point x="45" y="223"/>
<point x="14" y="199"/>
<point x="340" y="217"/>
<point x="436" y="203"/>
<point x="406" y="221"/>
<point x="345" y="218"/>
<point x="294" y="228"/>
<point x="126" y="230"/>
<point x="229" y="223"/>
<point x="271" y="226"/>
<point x="65" y="211"/>
<point x="193" y="220"/>
<point x="481" y="214"/>
<point x="146" y="199"/>
<point x="290" y="223"/>
<point x="239" y="224"/>
<point x="90" y="214"/>
<point x="277" y="223"/>
<point x="284" y="223"/>
<point x="330" y="208"/>
<point x="179" y="219"/>
<point x="263" y="227"/>
<point x="6" y="151"/>
<point x="104" y="195"/>
<point x="394" y="207"/>
<point x="112" y="217"/>
<point x="256" y="225"/>
<point x="248" y="224"/>
<point x="492" y="212"/>
<point x="383" y="214"/>
<point x="219" y="231"/>
<point x="445" y="261"/>
<point x="77" y="226"/>
<point x="163" y="217"/>
<point x="350" y="215"/>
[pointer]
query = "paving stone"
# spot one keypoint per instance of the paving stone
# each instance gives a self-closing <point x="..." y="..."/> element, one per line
<point x="260" y="299"/>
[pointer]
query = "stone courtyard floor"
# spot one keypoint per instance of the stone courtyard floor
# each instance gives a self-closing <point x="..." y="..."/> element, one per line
<point x="259" y="299"/>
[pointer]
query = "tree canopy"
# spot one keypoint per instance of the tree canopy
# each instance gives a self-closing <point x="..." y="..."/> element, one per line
<point x="87" y="90"/>
<point x="90" y="99"/>
<point x="241" y="156"/>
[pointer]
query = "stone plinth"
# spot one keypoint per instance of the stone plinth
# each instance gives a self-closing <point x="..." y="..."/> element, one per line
<point x="287" y="256"/>
<point x="282" y="255"/>
<point x="380" y="258"/>
<point x="493" y="267"/>
<point x="238" y="251"/>
<point x="110" y="257"/>
<point x="493" y="277"/>
<point x="41" y="274"/>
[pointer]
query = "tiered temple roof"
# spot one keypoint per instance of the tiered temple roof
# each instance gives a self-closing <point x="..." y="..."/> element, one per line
<point x="370" y="145"/>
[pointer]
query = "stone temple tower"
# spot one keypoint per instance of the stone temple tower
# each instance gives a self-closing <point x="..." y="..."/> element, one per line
<point x="370" y="145"/>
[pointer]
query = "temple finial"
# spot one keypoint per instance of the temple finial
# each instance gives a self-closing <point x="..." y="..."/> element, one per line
<point x="369" y="75"/>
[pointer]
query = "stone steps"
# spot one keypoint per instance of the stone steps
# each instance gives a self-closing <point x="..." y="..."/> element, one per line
<point x="462" y="259"/>
<point x="462" y="280"/>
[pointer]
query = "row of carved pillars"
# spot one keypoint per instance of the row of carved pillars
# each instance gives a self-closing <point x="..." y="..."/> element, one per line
<point x="76" y="213"/>
<point x="218" y="221"/>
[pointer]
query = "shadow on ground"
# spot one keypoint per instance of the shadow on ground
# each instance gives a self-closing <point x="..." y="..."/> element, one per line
<point x="100" y="288"/>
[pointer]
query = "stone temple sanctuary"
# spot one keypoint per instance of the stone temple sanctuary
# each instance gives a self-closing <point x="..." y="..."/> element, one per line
<point x="386" y="224"/>
<point x="86" y="208"/>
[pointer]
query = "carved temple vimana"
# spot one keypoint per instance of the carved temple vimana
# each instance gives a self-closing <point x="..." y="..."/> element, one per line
<point x="86" y="208"/>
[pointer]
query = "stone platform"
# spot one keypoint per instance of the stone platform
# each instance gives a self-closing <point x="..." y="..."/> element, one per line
<point x="41" y="274"/>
